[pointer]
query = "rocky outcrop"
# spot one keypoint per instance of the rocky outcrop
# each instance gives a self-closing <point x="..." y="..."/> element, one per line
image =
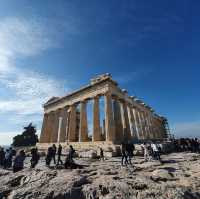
<point x="178" y="176"/>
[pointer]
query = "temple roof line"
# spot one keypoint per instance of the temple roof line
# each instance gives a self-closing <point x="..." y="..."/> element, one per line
<point x="95" y="81"/>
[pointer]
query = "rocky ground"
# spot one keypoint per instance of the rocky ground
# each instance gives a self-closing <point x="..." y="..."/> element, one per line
<point x="177" y="177"/>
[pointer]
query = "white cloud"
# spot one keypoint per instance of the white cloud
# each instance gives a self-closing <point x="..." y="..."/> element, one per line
<point x="31" y="91"/>
<point x="23" y="37"/>
<point x="187" y="129"/>
<point x="20" y="38"/>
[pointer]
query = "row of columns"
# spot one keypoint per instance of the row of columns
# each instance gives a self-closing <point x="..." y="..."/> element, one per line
<point x="122" y="122"/>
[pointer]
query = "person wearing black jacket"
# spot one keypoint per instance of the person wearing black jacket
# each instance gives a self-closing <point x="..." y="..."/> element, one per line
<point x="59" y="154"/>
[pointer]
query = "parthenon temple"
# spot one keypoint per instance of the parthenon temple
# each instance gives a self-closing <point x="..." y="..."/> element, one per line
<point x="125" y="118"/>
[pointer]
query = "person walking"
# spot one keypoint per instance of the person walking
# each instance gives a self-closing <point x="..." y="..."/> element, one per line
<point x="18" y="164"/>
<point x="59" y="154"/>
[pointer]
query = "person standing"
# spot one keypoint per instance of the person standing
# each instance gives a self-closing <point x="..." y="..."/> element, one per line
<point x="156" y="152"/>
<point x="71" y="153"/>
<point x="124" y="160"/>
<point x="59" y="154"/>
<point x="146" y="152"/>
<point x="34" y="157"/>
<point x="54" y="153"/>
<point x="69" y="162"/>
<point x="49" y="156"/>
<point x="18" y="164"/>
<point x="129" y="151"/>
<point x="2" y="156"/>
<point x="101" y="154"/>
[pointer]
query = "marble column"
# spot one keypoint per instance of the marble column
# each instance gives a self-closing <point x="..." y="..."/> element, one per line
<point x="126" y="125"/>
<point x="72" y="124"/>
<point x="96" y="120"/>
<point x="118" y="120"/>
<point x="132" y="123"/>
<point x="50" y="124"/>
<point x="83" y="130"/>
<point x="67" y="125"/>
<point x="54" y="136"/>
<point x="140" y="125"/>
<point x="136" y="119"/>
<point x="150" y="126"/>
<point x="146" y="125"/>
<point x="60" y="120"/>
<point x="63" y="126"/>
<point x="156" y="133"/>
<point x="109" y="121"/>
<point x="43" y="136"/>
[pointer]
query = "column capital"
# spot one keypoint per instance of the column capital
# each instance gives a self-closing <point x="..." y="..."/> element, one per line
<point x="97" y="96"/>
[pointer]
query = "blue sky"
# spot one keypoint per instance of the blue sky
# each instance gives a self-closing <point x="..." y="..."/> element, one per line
<point x="49" y="48"/>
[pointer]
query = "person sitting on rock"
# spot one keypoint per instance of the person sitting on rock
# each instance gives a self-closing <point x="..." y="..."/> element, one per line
<point x="34" y="157"/>
<point x="18" y="164"/>
<point x="54" y="153"/>
<point x="49" y="156"/>
<point x="59" y="154"/>
<point x="101" y="154"/>
<point x="124" y="160"/>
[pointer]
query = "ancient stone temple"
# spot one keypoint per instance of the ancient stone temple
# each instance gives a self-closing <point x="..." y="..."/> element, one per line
<point x="126" y="118"/>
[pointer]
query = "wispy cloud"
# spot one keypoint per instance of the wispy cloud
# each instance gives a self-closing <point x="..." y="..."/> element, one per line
<point x="187" y="129"/>
<point x="26" y="89"/>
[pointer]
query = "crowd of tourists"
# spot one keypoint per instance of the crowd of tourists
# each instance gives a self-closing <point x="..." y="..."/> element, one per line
<point x="187" y="144"/>
<point x="10" y="159"/>
<point x="151" y="152"/>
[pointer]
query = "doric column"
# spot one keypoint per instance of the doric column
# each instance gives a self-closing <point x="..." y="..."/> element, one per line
<point x="146" y="130"/>
<point x="141" y="125"/>
<point x="118" y="120"/>
<point x="50" y="125"/>
<point x="67" y="125"/>
<point x="136" y="119"/>
<point x="83" y="130"/>
<point x="54" y="136"/>
<point x="125" y="121"/>
<point x="150" y="126"/>
<point x="96" y="120"/>
<point x="60" y="120"/>
<point x="62" y="137"/>
<point x="72" y="124"/>
<point x="109" y="122"/>
<point x="132" y="123"/>
<point x="43" y="135"/>
<point x="144" y="125"/>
